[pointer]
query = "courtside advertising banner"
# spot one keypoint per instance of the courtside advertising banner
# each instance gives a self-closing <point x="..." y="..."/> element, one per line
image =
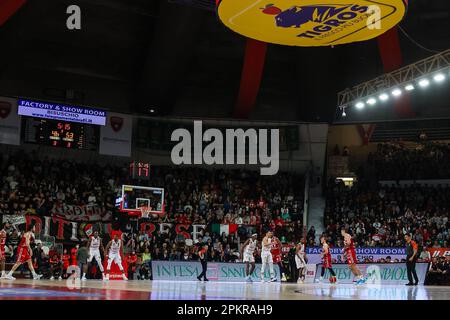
<point x="314" y="254"/>
<point x="115" y="136"/>
<point x="9" y="122"/>
<point x="378" y="273"/>
<point x="58" y="111"/>
<point x="189" y="271"/>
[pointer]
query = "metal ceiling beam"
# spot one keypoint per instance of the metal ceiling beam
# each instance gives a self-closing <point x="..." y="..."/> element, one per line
<point x="402" y="76"/>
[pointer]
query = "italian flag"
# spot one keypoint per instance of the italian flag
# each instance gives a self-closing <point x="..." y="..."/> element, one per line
<point x="221" y="228"/>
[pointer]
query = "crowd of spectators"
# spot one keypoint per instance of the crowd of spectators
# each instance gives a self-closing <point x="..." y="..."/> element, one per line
<point x="439" y="273"/>
<point x="32" y="185"/>
<point x="410" y="161"/>
<point x="381" y="216"/>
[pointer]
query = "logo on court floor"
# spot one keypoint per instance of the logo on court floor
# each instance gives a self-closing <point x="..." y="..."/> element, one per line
<point x="311" y="22"/>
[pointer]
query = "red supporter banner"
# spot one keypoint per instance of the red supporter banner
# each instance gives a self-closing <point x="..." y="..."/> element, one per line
<point x="83" y="213"/>
<point x="74" y="231"/>
<point x="439" y="252"/>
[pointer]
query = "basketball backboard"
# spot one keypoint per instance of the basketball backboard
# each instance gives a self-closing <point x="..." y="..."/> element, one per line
<point x="136" y="197"/>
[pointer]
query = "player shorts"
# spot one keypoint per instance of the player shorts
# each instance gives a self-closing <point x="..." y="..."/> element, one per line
<point x="300" y="262"/>
<point x="116" y="258"/>
<point x="327" y="261"/>
<point x="94" y="254"/>
<point x="351" y="256"/>
<point x="266" y="257"/>
<point x="2" y="253"/>
<point x="23" y="255"/>
<point x="248" y="257"/>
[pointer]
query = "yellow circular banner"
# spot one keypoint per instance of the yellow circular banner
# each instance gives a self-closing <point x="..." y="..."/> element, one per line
<point x="309" y="23"/>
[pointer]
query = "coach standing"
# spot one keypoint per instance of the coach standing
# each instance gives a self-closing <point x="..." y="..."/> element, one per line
<point x="411" y="258"/>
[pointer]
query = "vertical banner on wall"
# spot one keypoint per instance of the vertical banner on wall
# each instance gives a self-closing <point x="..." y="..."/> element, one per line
<point x="115" y="136"/>
<point x="9" y="122"/>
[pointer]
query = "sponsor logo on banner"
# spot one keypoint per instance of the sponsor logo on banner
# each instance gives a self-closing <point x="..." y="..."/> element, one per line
<point x="383" y="273"/>
<point x="189" y="271"/>
<point x="9" y="122"/>
<point x="58" y="111"/>
<point x="314" y="254"/>
<point x="439" y="252"/>
<point x="5" y="109"/>
<point x="115" y="137"/>
<point x="116" y="123"/>
<point x="311" y="22"/>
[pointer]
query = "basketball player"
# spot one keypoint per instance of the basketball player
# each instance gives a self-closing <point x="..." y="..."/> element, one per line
<point x="350" y="256"/>
<point x="266" y="257"/>
<point x="115" y="250"/>
<point x="94" y="245"/>
<point x="300" y="260"/>
<point x="3" y="235"/>
<point x="247" y="254"/>
<point x="326" y="256"/>
<point x="276" y="255"/>
<point x="24" y="254"/>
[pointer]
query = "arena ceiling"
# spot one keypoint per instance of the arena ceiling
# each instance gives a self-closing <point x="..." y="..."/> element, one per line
<point x="178" y="59"/>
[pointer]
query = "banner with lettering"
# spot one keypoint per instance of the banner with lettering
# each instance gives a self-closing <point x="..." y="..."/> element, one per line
<point x="81" y="213"/>
<point x="75" y="231"/>
<point x="314" y="254"/>
<point x="383" y="273"/>
<point x="116" y="135"/>
<point x="189" y="271"/>
<point x="439" y="252"/>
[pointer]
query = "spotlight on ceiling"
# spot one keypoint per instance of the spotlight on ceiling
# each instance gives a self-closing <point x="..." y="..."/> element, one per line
<point x="372" y="101"/>
<point x="409" y="87"/>
<point x="384" y="97"/>
<point x="396" y="92"/>
<point x="343" y="113"/>
<point x="424" y="83"/>
<point x="439" y="77"/>
<point x="360" y="105"/>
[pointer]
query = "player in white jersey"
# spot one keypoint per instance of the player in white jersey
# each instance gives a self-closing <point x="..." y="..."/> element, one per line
<point x="300" y="260"/>
<point x="266" y="257"/>
<point x="247" y="254"/>
<point x="94" y="245"/>
<point x="115" y="249"/>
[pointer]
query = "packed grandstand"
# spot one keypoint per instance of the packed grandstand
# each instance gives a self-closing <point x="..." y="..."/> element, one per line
<point x="376" y="215"/>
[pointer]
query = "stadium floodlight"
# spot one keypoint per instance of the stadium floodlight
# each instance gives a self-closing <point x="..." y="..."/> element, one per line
<point x="343" y="113"/>
<point x="372" y="101"/>
<point x="409" y="87"/>
<point x="360" y="105"/>
<point x="396" y="92"/>
<point x="424" y="83"/>
<point x="439" y="77"/>
<point x="384" y="97"/>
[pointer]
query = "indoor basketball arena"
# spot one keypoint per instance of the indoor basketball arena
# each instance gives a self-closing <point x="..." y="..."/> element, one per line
<point x="247" y="150"/>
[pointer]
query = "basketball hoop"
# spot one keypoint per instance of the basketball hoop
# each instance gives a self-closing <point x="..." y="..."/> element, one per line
<point x="145" y="211"/>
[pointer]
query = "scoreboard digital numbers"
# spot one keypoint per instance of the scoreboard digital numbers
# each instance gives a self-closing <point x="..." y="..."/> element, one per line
<point x="61" y="134"/>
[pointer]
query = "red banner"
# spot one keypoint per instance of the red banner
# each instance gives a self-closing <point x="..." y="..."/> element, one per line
<point x="439" y="252"/>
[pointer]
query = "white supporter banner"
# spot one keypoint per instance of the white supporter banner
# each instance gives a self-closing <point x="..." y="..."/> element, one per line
<point x="115" y="136"/>
<point x="9" y="122"/>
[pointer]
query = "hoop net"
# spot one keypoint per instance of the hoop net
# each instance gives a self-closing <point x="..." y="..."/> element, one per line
<point x="145" y="211"/>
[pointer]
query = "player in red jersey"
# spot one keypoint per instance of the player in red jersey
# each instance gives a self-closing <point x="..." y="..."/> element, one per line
<point x="65" y="260"/>
<point x="24" y="254"/>
<point x="350" y="256"/>
<point x="276" y="255"/>
<point x="2" y="250"/>
<point x="73" y="255"/>
<point x="326" y="256"/>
